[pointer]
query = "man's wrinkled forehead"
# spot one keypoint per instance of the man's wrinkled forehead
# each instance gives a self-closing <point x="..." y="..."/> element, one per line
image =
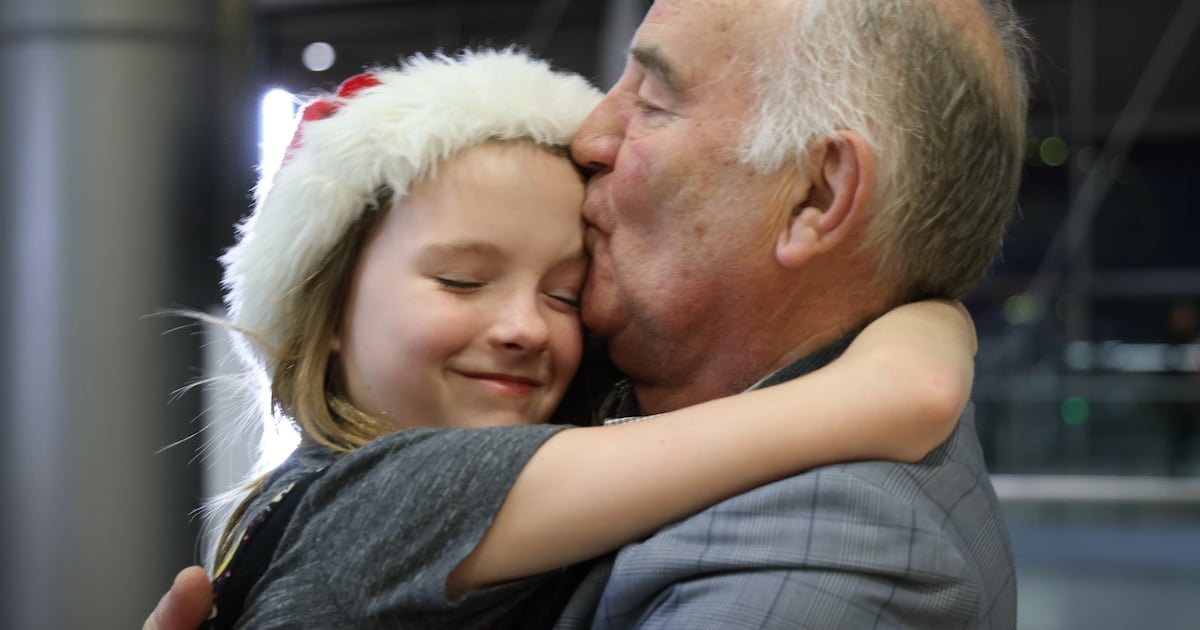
<point x="718" y="15"/>
<point x="729" y="8"/>
<point x="685" y="41"/>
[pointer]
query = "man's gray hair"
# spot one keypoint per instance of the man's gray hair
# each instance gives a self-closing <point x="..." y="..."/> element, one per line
<point x="944" y="116"/>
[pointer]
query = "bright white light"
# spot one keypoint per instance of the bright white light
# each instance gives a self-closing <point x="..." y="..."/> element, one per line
<point x="279" y="439"/>
<point x="277" y="121"/>
<point x="242" y="440"/>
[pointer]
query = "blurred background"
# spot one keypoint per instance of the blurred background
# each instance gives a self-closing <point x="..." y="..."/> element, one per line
<point x="130" y="130"/>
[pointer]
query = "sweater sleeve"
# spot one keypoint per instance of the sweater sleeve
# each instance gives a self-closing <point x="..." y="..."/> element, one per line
<point x="374" y="541"/>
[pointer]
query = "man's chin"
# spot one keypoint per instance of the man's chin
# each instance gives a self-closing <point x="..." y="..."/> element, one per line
<point x="602" y="317"/>
<point x="632" y="356"/>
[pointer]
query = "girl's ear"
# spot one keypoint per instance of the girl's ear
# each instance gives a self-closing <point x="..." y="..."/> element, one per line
<point x="841" y="172"/>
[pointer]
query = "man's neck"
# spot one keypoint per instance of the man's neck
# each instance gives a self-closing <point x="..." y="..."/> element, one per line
<point x="734" y="369"/>
<point x="787" y="318"/>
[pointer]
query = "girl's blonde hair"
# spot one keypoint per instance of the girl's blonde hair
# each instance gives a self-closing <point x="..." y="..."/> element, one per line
<point x="300" y="375"/>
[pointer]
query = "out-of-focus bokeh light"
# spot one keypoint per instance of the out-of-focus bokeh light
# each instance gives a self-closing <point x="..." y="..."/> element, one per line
<point x="1075" y="411"/>
<point x="1022" y="308"/>
<point x="1055" y="151"/>
<point x="318" y="56"/>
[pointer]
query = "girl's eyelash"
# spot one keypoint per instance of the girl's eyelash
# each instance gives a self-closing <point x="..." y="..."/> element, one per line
<point x="569" y="301"/>
<point x="451" y="283"/>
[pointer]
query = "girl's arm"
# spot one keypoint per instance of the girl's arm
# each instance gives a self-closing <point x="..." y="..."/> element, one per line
<point x="895" y="394"/>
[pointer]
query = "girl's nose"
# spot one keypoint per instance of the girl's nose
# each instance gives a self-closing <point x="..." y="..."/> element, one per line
<point x="521" y="326"/>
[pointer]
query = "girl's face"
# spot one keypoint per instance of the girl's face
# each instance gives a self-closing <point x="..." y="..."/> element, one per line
<point x="464" y="307"/>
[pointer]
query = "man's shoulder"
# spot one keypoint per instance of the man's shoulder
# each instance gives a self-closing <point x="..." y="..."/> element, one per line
<point x="944" y="500"/>
<point x="955" y="467"/>
<point x="933" y="522"/>
<point x="920" y="499"/>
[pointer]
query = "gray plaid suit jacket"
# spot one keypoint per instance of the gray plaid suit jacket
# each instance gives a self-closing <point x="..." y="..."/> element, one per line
<point x="861" y="545"/>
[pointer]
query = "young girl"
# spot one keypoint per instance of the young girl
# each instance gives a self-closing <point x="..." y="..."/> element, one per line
<point x="409" y="283"/>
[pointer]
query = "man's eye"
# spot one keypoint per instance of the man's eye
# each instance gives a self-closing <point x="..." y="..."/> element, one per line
<point x="454" y="283"/>
<point x="647" y="106"/>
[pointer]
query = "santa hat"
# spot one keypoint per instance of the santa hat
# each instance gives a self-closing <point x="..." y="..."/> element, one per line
<point x="385" y="128"/>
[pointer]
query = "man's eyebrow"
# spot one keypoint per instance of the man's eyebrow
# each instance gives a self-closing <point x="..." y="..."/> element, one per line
<point x="656" y="63"/>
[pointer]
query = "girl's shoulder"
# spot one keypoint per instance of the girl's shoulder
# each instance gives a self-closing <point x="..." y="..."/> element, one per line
<point x="261" y="529"/>
<point x="304" y="462"/>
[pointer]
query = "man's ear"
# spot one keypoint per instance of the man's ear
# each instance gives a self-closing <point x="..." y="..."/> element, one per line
<point x="841" y="174"/>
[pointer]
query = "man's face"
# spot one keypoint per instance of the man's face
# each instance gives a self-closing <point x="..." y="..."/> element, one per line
<point x="677" y="226"/>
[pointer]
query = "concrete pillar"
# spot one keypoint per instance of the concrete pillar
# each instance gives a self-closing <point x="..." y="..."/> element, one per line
<point x="105" y="180"/>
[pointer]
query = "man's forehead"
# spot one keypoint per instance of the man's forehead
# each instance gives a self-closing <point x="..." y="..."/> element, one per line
<point x="722" y="6"/>
<point x="721" y="14"/>
<point x="720" y="23"/>
<point x="692" y="42"/>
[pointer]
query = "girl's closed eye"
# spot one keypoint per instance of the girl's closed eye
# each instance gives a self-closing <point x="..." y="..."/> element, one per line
<point x="569" y="299"/>
<point x="458" y="284"/>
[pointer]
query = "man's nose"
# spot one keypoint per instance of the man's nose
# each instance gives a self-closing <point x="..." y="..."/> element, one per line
<point x="595" y="146"/>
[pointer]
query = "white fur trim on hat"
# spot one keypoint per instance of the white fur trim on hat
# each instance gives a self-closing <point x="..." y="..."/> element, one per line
<point x="387" y="135"/>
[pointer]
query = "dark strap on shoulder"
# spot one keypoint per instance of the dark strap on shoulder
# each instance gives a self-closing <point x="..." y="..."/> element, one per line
<point x="253" y="554"/>
<point x="812" y="362"/>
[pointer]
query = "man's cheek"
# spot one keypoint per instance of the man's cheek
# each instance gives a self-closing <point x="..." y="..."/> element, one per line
<point x="636" y="176"/>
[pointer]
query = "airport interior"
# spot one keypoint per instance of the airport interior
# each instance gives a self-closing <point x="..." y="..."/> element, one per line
<point x="131" y="133"/>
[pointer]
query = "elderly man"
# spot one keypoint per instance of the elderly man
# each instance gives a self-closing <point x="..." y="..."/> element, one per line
<point x="767" y="177"/>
